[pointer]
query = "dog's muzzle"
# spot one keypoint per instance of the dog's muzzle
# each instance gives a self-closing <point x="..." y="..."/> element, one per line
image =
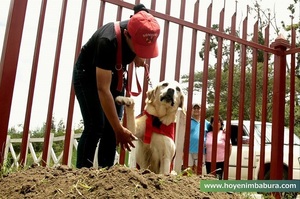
<point x="169" y="96"/>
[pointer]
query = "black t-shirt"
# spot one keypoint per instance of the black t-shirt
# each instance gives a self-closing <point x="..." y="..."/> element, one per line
<point x="101" y="49"/>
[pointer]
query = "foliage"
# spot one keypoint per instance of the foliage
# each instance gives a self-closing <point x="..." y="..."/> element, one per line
<point x="6" y="169"/>
<point x="236" y="94"/>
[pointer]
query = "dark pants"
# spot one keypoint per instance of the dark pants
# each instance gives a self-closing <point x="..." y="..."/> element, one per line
<point x="96" y="125"/>
<point x="219" y="169"/>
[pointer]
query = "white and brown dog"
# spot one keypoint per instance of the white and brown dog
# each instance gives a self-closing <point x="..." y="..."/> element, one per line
<point x="155" y="129"/>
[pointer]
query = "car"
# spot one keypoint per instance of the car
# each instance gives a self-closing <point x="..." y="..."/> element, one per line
<point x="257" y="145"/>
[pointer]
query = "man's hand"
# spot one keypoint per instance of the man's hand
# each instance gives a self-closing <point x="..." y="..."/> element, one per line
<point x="140" y="62"/>
<point x="125" y="138"/>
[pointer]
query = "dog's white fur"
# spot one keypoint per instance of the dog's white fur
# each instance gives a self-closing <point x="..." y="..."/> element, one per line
<point x="163" y="102"/>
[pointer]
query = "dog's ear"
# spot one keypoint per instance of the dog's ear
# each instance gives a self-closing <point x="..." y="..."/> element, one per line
<point x="181" y="101"/>
<point x="150" y="96"/>
<point x="181" y="105"/>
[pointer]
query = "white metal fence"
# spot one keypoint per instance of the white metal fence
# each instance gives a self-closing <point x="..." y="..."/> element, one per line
<point x="37" y="155"/>
<point x="56" y="157"/>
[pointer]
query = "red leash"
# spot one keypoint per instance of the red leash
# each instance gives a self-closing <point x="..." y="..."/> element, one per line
<point x="120" y="70"/>
<point x="119" y="67"/>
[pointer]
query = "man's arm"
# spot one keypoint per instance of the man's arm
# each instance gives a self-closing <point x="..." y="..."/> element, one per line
<point x="123" y="135"/>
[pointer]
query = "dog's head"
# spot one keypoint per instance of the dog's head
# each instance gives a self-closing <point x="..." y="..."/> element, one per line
<point x="164" y="100"/>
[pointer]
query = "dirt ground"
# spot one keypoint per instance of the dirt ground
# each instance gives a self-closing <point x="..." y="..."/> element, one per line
<point x="116" y="182"/>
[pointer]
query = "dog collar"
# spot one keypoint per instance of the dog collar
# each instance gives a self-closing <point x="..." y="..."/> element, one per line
<point x="153" y="124"/>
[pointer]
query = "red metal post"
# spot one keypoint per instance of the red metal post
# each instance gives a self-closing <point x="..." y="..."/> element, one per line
<point x="253" y="104"/>
<point x="230" y="91"/>
<point x="165" y="44"/>
<point x="8" y="65"/>
<point x="242" y="101"/>
<point x="205" y="75"/>
<point x="217" y="94"/>
<point x="191" y="85"/>
<point x="68" y="136"/>
<point x="264" y="107"/>
<point x="179" y="42"/>
<point x="281" y="45"/>
<point x="292" y="104"/>
<point x="24" y="146"/>
<point x="45" y="156"/>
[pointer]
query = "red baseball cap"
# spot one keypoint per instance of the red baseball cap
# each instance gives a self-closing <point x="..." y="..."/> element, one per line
<point x="144" y="31"/>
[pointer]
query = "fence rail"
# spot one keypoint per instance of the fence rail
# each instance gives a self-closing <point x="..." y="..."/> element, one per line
<point x="55" y="159"/>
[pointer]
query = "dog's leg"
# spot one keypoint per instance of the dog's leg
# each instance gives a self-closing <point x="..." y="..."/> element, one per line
<point x="165" y="165"/>
<point x="129" y="111"/>
<point x="130" y="122"/>
<point x="163" y="149"/>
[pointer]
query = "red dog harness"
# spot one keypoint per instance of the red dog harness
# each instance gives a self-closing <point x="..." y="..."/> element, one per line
<point x="153" y="124"/>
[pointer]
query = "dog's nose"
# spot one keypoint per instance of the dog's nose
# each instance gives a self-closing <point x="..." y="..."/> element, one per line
<point x="168" y="97"/>
<point x="170" y="91"/>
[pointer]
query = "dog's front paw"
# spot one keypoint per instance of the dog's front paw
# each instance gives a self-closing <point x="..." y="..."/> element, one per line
<point x="127" y="101"/>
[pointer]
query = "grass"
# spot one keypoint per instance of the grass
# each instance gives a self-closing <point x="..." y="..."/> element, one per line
<point x="7" y="169"/>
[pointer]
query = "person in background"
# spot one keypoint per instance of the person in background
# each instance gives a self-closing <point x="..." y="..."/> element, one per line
<point x="96" y="81"/>
<point x="194" y="136"/>
<point x="221" y="138"/>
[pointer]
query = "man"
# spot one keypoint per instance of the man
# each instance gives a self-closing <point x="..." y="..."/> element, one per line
<point x="96" y="79"/>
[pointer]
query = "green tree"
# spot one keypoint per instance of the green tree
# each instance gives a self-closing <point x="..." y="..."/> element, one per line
<point x="236" y="91"/>
<point x="79" y="127"/>
<point x="264" y="18"/>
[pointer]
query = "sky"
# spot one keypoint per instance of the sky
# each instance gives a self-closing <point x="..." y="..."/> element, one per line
<point x="46" y="59"/>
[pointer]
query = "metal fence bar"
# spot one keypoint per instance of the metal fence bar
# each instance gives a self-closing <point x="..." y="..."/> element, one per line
<point x="191" y="85"/>
<point x="32" y="82"/>
<point x="264" y="105"/>
<point x="292" y="105"/>
<point x="205" y="77"/>
<point x="242" y="99"/>
<point x="253" y="103"/>
<point x="8" y="65"/>
<point x="179" y="41"/>
<point x="165" y="43"/>
<point x="230" y="92"/>
<point x="46" y="151"/>
<point x="217" y="93"/>
<point x="68" y="137"/>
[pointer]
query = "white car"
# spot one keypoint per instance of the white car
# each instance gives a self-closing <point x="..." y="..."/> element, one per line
<point x="256" y="160"/>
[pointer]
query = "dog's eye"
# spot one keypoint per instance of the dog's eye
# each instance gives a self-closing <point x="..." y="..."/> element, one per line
<point x="165" y="84"/>
<point x="177" y="89"/>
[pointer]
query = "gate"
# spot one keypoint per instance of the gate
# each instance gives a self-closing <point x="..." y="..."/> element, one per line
<point x="183" y="36"/>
